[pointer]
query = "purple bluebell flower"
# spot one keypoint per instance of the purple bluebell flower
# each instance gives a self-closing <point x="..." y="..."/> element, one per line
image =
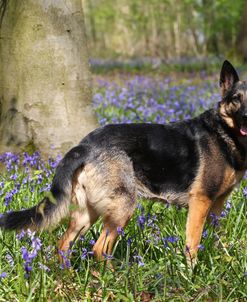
<point x="43" y="267"/>
<point x="151" y="221"/>
<point x="245" y="192"/>
<point x="10" y="160"/>
<point x="107" y="256"/>
<point x="10" y="260"/>
<point x="92" y="242"/>
<point x="66" y="259"/>
<point x="3" y="275"/>
<point x="8" y="198"/>
<point x="201" y="247"/>
<point x="129" y="241"/>
<point x="46" y="188"/>
<point x="39" y="178"/>
<point x="29" y="256"/>
<point x="223" y="214"/>
<point x="27" y="261"/>
<point x="228" y="204"/>
<point x="214" y="219"/>
<point x="141" y="220"/>
<point x="20" y="235"/>
<point x="169" y="239"/>
<point x="53" y="163"/>
<point x="120" y="231"/>
<point x="82" y="238"/>
<point x="144" y="99"/>
<point x="172" y="239"/>
<point x="139" y="260"/>
<point x="139" y="206"/>
<point x="84" y="253"/>
<point x="13" y="176"/>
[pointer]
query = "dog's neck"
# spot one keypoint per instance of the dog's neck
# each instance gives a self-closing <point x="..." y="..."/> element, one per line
<point x="232" y="137"/>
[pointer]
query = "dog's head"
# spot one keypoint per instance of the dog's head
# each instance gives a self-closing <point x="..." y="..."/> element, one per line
<point x="233" y="106"/>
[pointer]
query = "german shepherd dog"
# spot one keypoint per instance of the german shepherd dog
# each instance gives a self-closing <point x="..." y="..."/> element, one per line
<point x="195" y="163"/>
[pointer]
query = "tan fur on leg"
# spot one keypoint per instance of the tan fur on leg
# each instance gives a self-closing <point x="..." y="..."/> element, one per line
<point x="105" y="243"/>
<point x="199" y="206"/>
<point x="116" y="217"/>
<point x="79" y="224"/>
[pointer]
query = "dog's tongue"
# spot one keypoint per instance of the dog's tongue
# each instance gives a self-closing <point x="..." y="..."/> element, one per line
<point x="243" y="130"/>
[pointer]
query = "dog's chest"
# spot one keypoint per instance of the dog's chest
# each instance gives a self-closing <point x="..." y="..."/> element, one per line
<point x="243" y="142"/>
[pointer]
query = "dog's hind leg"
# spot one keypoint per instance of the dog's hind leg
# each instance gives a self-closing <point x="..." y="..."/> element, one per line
<point x="111" y="190"/>
<point x="115" y="218"/>
<point x="79" y="223"/>
<point x="199" y="207"/>
<point x="106" y="188"/>
<point x="82" y="214"/>
<point x="218" y="205"/>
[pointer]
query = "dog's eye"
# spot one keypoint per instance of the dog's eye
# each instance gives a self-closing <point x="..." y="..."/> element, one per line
<point x="236" y="98"/>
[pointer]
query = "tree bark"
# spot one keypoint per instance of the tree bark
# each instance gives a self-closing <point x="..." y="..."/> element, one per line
<point x="45" y="83"/>
<point x="241" y="44"/>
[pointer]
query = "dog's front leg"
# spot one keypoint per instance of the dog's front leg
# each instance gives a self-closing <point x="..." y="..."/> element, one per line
<point x="199" y="207"/>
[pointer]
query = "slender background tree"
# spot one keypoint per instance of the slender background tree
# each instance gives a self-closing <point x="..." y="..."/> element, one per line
<point x="45" y="82"/>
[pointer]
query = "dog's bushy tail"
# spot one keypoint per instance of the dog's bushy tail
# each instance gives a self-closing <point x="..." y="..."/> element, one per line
<point x="55" y="206"/>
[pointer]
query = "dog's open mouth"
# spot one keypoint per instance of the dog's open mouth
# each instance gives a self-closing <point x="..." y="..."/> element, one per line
<point x="243" y="128"/>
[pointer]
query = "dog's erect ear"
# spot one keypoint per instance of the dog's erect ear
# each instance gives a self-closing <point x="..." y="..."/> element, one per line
<point x="228" y="77"/>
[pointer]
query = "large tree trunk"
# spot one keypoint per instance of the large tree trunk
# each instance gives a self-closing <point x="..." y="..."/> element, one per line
<point x="242" y="36"/>
<point x="45" y="84"/>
